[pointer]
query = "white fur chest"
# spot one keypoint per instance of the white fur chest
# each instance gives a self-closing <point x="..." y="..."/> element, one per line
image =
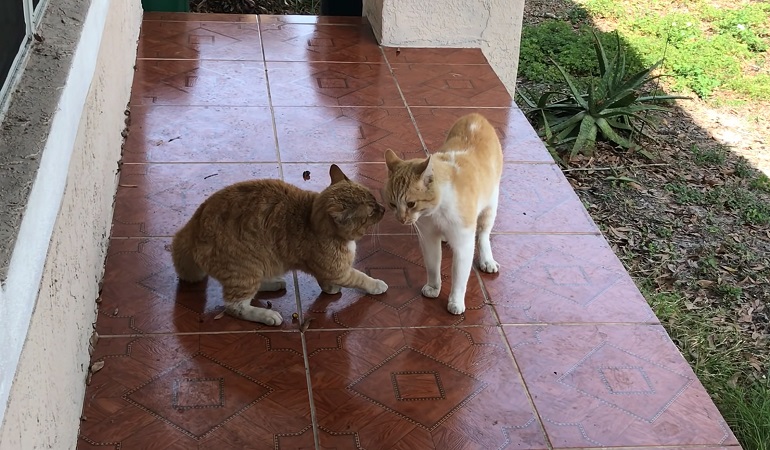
<point x="351" y="246"/>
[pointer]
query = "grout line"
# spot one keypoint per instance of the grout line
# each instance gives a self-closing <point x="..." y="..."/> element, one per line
<point x="532" y="405"/>
<point x="313" y="413"/>
<point x="270" y="101"/>
<point x="406" y="104"/>
<point x="425" y="327"/>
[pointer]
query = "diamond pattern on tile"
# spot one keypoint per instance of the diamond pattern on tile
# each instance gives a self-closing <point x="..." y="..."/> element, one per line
<point x="347" y="134"/>
<point x="158" y="199"/>
<point x="197" y="417"/>
<point x="199" y="83"/>
<point x="537" y="198"/>
<point x="622" y="386"/>
<point x="451" y="85"/>
<point x="567" y="281"/>
<point x="332" y="84"/>
<point x="625" y="385"/>
<point x="415" y="386"/>
<point x="230" y="390"/>
<point x="426" y="387"/>
<point x="300" y="42"/>
<point x="562" y="279"/>
<point x="200" y="40"/>
<point x="518" y="139"/>
<point x="141" y="294"/>
<point x="200" y="134"/>
<point x="399" y="260"/>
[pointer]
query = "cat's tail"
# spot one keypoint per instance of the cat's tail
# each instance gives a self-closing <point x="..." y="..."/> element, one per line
<point x="182" y="255"/>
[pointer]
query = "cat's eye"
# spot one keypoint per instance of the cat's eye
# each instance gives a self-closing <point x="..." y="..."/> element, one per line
<point x="410" y="204"/>
<point x="393" y="205"/>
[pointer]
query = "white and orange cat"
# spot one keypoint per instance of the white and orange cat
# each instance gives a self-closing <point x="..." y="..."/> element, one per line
<point x="451" y="195"/>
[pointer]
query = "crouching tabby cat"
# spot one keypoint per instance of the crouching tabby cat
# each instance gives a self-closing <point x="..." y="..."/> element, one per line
<point x="451" y="195"/>
<point x="249" y="234"/>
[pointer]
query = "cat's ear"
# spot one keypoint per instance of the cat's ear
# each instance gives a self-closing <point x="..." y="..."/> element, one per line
<point x="339" y="214"/>
<point x="336" y="174"/>
<point x="425" y="171"/>
<point x="391" y="160"/>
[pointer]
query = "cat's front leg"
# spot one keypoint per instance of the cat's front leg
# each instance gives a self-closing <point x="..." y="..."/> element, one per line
<point x="329" y="288"/>
<point x="462" y="263"/>
<point x="430" y="244"/>
<point x="238" y="304"/>
<point x="358" y="280"/>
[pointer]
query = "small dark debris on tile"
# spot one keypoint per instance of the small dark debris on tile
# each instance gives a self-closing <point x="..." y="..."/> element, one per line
<point x="306" y="175"/>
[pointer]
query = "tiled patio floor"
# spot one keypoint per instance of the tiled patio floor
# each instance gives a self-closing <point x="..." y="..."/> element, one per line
<point x="557" y="351"/>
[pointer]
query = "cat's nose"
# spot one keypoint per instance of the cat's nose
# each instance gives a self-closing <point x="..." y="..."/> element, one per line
<point x="380" y="208"/>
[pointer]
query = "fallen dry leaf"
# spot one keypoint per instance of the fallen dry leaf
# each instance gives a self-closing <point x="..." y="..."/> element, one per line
<point x="219" y="316"/>
<point x="97" y="366"/>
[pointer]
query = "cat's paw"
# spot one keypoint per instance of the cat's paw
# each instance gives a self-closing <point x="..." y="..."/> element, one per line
<point x="456" y="307"/>
<point x="268" y="317"/>
<point x="379" y="288"/>
<point x="489" y="266"/>
<point x="331" y="289"/>
<point x="430" y="291"/>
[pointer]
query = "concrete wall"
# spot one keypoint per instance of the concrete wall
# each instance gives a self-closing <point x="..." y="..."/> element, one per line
<point x="46" y="397"/>
<point x="492" y="25"/>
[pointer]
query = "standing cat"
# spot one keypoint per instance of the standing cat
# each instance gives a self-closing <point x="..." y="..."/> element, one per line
<point x="249" y="234"/>
<point x="451" y="195"/>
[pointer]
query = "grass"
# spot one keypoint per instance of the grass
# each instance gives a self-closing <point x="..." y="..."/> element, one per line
<point x="706" y="48"/>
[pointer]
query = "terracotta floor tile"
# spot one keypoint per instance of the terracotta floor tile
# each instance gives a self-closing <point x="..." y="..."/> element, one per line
<point x="195" y="17"/>
<point x="614" y="385"/>
<point x="332" y="84"/>
<point x="419" y="388"/>
<point x="397" y="55"/>
<point x="199" y="82"/>
<point x="397" y="260"/>
<point x="519" y="141"/>
<point x="200" y="40"/>
<point x="451" y="85"/>
<point x="371" y="175"/>
<point x="186" y="390"/>
<point x="200" y="134"/>
<point x="305" y="42"/>
<point x="158" y="199"/>
<point x="268" y="19"/>
<point x="558" y="279"/>
<point x="345" y="134"/>
<point x="537" y="198"/>
<point x="141" y="294"/>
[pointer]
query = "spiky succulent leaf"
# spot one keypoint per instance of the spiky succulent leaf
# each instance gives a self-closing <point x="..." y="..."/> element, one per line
<point x="610" y="134"/>
<point x="586" y="138"/>
<point x="576" y="95"/>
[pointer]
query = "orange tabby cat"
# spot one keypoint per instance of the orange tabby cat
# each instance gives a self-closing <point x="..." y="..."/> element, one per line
<point x="451" y="195"/>
<point x="248" y="235"/>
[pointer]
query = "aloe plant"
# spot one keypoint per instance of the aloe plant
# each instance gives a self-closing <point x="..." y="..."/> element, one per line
<point x="613" y="108"/>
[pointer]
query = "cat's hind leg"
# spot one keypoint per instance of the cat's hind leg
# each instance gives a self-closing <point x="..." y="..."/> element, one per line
<point x="238" y="304"/>
<point x="184" y="264"/>
<point x="272" y="284"/>
<point x="486" y="221"/>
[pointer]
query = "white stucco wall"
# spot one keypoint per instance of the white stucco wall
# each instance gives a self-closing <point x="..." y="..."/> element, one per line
<point x="46" y="396"/>
<point x="492" y="25"/>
